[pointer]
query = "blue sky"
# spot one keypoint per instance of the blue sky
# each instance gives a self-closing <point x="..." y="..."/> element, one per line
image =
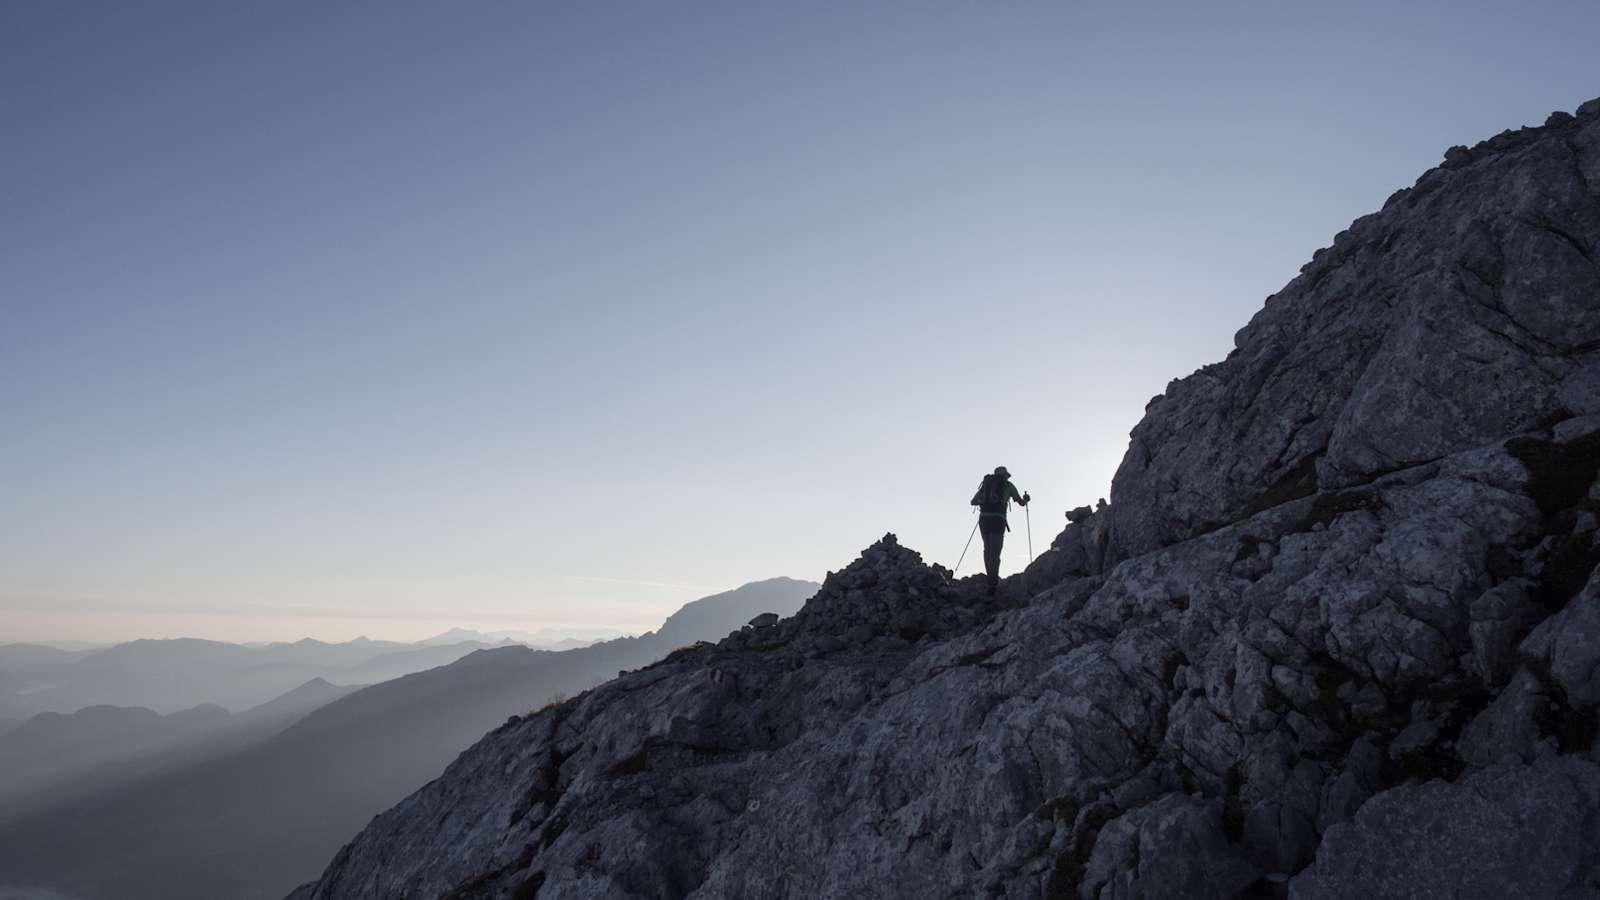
<point x="372" y="318"/>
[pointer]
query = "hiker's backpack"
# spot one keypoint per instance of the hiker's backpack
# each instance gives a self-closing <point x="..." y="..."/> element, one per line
<point x="992" y="492"/>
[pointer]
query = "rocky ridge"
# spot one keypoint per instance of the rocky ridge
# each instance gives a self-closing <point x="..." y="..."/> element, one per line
<point x="1337" y="634"/>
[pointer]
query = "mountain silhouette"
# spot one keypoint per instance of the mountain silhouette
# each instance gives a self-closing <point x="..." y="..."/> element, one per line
<point x="55" y="756"/>
<point x="175" y="674"/>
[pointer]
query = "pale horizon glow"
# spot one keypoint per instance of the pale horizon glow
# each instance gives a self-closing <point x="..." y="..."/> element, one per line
<point x="380" y="320"/>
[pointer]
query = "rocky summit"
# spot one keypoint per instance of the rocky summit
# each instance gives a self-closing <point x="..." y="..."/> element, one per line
<point x="1337" y="634"/>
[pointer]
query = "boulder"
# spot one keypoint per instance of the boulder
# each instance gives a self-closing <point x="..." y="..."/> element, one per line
<point x="1568" y="645"/>
<point x="1509" y="831"/>
<point x="1173" y="849"/>
<point x="1508" y="729"/>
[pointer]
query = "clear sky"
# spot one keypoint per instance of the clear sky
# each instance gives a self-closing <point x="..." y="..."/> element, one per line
<point x="329" y="319"/>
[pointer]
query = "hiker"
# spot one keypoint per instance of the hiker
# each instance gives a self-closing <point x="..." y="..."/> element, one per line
<point x="993" y="498"/>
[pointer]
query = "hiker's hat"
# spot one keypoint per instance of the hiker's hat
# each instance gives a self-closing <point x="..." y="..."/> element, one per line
<point x="1001" y="471"/>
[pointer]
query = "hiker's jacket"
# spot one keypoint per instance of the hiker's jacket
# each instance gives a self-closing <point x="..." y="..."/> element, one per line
<point x="1008" y="492"/>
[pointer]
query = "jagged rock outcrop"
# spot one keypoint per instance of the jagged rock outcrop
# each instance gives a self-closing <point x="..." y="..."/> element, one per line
<point x="1461" y="313"/>
<point x="1336" y="635"/>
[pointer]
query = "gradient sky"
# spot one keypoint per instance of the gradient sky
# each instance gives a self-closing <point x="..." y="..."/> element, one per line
<point x="329" y="319"/>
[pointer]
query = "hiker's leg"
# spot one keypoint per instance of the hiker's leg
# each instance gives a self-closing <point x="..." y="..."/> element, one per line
<point x="993" y="539"/>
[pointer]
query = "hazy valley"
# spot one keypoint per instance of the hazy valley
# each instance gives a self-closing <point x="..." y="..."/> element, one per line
<point x="204" y="803"/>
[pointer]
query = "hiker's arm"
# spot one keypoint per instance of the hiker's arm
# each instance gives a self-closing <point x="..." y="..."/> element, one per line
<point x="1016" y="496"/>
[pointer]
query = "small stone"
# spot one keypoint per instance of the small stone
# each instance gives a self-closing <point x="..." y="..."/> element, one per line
<point x="1576" y="428"/>
<point x="1508" y="729"/>
<point x="1414" y="738"/>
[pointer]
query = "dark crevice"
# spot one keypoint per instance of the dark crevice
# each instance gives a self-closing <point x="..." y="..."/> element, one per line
<point x="553" y="828"/>
<point x="1264" y="889"/>
<point x="1573" y="728"/>
<point x="1287" y="488"/>
<point x="488" y="885"/>
<point x="1559" y="479"/>
<point x="1460" y="703"/>
<point x="1232" y="807"/>
<point x="1526" y="341"/>
<point x="1577" y="163"/>
<point x="1570" y="560"/>
<point x="1549" y="227"/>
<point x="972" y="659"/>
<point x="1581" y="349"/>
<point x="1296" y="484"/>
<point x="529" y="888"/>
<point x="545" y="789"/>
<point x="632" y="764"/>
<point x="1066" y="873"/>
<point x="1333" y="504"/>
<point x="1559" y="475"/>
<point x="1249" y="545"/>
<point x="1328" y="674"/>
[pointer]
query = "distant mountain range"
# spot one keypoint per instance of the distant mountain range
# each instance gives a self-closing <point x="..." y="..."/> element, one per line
<point x="543" y="639"/>
<point x="168" y="676"/>
<point x="54" y="755"/>
<point x="257" y="820"/>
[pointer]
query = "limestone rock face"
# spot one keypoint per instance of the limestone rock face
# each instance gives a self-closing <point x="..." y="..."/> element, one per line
<point x="1462" y="312"/>
<point x="1334" y="636"/>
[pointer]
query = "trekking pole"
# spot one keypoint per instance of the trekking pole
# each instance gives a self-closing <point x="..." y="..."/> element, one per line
<point x="1029" y="514"/>
<point x="964" y="550"/>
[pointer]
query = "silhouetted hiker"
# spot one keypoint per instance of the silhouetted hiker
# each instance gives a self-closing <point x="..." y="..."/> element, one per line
<point x="993" y="498"/>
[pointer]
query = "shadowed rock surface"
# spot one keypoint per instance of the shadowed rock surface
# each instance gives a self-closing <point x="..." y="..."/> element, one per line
<point x="1336" y="635"/>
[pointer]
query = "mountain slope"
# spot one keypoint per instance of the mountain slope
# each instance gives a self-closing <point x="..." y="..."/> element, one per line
<point x="258" y="821"/>
<point x="1333" y="637"/>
